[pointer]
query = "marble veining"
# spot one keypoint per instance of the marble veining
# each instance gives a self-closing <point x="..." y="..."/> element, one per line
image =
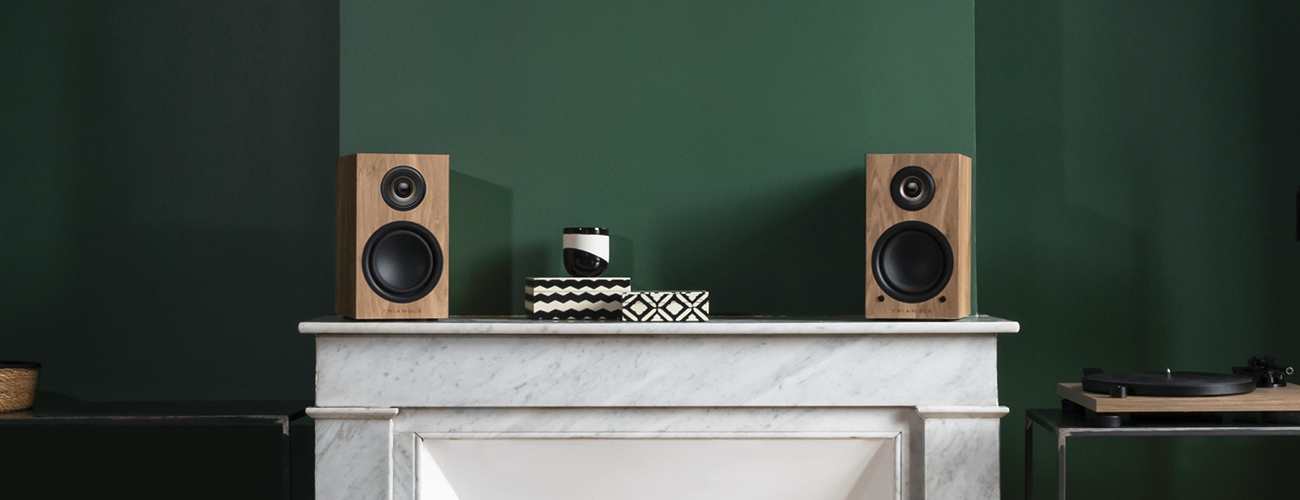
<point x="639" y="371"/>
<point x="961" y="458"/>
<point x="516" y="325"/>
<point x="387" y="390"/>
<point x="352" y="459"/>
<point x="405" y="450"/>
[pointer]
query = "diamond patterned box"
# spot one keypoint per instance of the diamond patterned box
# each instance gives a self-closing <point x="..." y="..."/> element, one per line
<point x="666" y="306"/>
<point x="575" y="298"/>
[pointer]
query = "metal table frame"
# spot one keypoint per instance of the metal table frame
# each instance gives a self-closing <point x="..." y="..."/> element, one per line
<point x="1076" y="424"/>
<point x="281" y="413"/>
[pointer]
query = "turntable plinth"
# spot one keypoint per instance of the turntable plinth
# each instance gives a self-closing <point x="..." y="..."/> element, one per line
<point x="1263" y="399"/>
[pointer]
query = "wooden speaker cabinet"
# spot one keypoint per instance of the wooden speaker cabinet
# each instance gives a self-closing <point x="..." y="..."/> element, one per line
<point x="918" y="236"/>
<point x="392" y="244"/>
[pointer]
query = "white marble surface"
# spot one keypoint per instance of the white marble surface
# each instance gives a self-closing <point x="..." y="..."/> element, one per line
<point x="648" y="370"/>
<point x="961" y="458"/>
<point x="405" y="465"/>
<point x="505" y="422"/>
<point x="353" y="459"/>
<point x="516" y="325"/>
<point x="352" y="413"/>
<point x="383" y="388"/>
<point x="962" y="411"/>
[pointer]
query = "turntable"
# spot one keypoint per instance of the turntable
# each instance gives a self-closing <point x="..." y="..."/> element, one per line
<point x="1254" y="400"/>
<point x="1108" y="395"/>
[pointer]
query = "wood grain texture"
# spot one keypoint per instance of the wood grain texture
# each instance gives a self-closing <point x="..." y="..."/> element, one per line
<point x="1261" y="399"/>
<point x="361" y="210"/>
<point x="949" y="212"/>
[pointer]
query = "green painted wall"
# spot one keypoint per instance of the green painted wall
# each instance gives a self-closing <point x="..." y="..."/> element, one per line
<point x="722" y="142"/>
<point x="169" y="196"/>
<point x="167" y="217"/>
<point x="1137" y="211"/>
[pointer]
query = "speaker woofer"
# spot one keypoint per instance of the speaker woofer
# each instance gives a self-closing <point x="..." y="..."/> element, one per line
<point x="912" y="261"/>
<point x="402" y="261"/>
<point x="402" y="188"/>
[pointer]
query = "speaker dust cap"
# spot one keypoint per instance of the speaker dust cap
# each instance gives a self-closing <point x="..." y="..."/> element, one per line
<point x="912" y="262"/>
<point x="402" y="262"/>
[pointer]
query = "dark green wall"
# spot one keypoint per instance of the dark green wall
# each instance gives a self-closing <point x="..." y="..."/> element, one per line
<point x="1137" y="211"/>
<point x="167" y="212"/>
<point x="169" y="197"/>
<point x="722" y="142"/>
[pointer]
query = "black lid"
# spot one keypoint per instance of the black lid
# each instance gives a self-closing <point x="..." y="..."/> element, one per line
<point x="587" y="230"/>
<point x="1170" y="383"/>
<point x="19" y="364"/>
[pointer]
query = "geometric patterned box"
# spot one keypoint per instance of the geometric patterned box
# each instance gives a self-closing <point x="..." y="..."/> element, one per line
<point x="666" y="306"/>
<point x="575" y="298"/>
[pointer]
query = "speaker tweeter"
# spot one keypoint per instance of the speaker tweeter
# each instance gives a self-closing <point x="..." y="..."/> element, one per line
<point x="402" y="188"/>
<point x="912" y="188"/>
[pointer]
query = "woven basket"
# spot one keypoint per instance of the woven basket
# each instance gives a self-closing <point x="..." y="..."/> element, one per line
<point x="18" y="384"/>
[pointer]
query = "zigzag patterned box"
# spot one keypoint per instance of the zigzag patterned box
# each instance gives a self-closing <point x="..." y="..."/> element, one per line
<point x="575" y="298"/>
<point x="666" y="306"/>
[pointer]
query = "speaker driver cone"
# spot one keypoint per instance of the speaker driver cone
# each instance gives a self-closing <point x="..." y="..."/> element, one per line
<point x="912" y="188"/>
<point x="402" y="188"/>
<point x="912" y="261"/>
<point x="402" y="261"/>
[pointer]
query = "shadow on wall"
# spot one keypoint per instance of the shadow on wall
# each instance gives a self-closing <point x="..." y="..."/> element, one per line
<point x="481" y="242"/>
<point x="812" y="257"/>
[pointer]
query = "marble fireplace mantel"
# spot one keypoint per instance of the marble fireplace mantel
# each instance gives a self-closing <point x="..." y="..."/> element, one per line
<point x="756" y="408"/>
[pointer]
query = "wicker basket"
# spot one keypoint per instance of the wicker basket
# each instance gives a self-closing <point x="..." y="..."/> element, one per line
<point x="18" y="384"/>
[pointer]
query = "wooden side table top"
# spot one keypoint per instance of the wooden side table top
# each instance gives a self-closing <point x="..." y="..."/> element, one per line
<point x="1285" y="398"/>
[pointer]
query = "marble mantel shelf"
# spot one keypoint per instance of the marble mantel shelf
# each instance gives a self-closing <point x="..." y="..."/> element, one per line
<point x="472" y="408"/>
<point x="760" y="325"/>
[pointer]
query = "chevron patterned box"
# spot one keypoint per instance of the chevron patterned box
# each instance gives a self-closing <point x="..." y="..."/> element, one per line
<point x="575" y="298"/>
<point x="666" y="306"/>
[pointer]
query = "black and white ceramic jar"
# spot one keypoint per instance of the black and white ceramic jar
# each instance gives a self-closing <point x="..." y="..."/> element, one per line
<point x="586" y="251"/>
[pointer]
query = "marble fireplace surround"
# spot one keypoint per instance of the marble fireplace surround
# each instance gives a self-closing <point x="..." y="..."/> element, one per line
<point x="735" y="408"/>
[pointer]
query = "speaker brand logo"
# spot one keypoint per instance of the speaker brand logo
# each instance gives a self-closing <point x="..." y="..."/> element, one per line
<point x="403" y="311"/>
<point x="911" y="310"/>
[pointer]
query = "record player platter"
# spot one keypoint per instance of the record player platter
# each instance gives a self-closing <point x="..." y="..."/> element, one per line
<point x="1167" y="383"/>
